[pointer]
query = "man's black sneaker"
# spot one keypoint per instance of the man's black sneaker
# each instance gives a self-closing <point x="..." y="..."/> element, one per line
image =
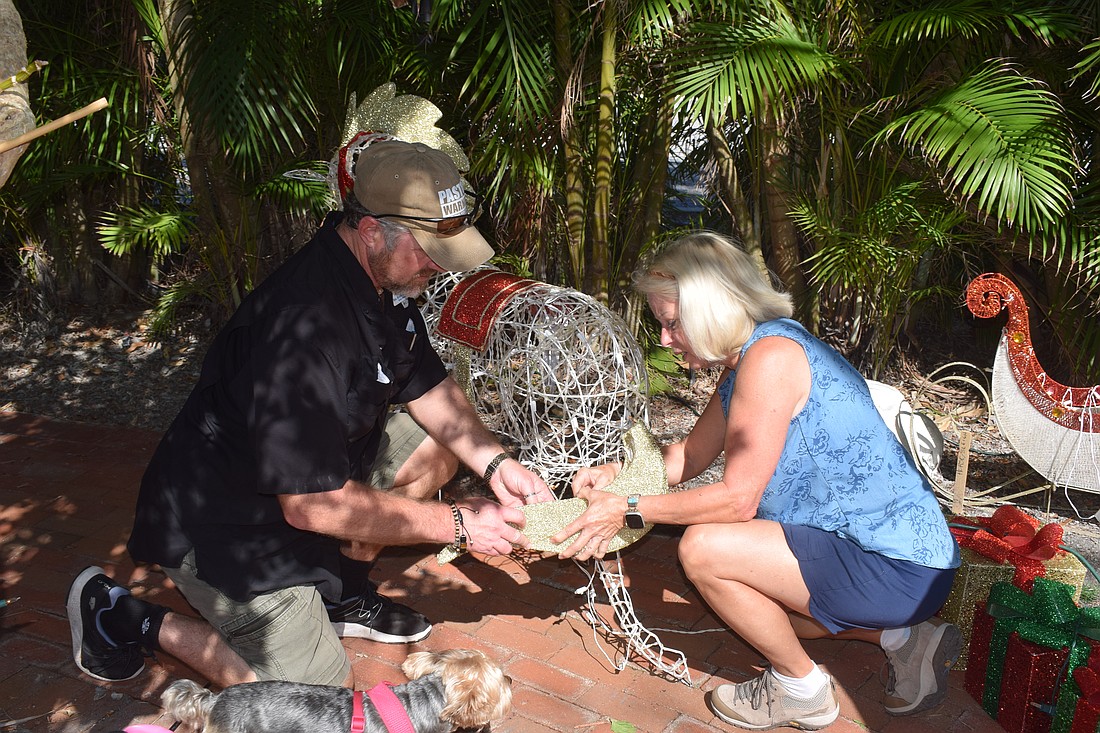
<point x="94" y="652"/>
<point x="377" y="618"/>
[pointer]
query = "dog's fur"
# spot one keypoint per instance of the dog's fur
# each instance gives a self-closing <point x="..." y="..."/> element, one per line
<point x="457" y="688"/>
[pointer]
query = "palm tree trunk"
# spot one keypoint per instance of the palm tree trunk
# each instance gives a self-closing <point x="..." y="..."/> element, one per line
<point x="219" y="208"/>
<point x="16" y="117"/>
<point x="647" y="189"/>
<point x="730" y="193"/>
<point x="574" y="161"/>
<point x="596" y="279"/>
<point x="785" y="259"/>
<point x="643" y="220"/>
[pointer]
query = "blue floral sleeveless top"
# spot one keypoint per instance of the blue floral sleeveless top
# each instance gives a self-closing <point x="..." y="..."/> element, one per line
<point x="843" y="471"/>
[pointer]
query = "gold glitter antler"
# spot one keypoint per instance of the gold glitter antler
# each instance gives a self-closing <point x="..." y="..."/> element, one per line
<point x="406" y="117"/>
<point x="384" y="115"/>
<point x="643" y="473"/>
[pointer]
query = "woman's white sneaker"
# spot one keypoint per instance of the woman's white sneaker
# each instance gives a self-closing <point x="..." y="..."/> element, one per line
<point x="764" y="703"/>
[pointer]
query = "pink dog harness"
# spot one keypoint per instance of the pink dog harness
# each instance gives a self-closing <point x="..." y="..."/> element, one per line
<point x="388" y="706"/>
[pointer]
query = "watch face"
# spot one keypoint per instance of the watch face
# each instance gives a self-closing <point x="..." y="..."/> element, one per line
<point x="634" y="520"/>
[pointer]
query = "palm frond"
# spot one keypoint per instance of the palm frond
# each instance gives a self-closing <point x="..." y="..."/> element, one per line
<point x="160" y="232"/>
<point x="651" y="20"/>
<point x="1089" y="67"/>
<point x="954" y="20"/>
<point x="510" y="60"/>
<point x="298" y="195"/>
<point x="242" y="77"/>
<point x="724" y="70"/>
<point x="997" y="138"/>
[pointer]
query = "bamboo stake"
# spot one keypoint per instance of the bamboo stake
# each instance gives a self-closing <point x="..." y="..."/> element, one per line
<point x="962" y="468"/>
<point x="51" y="126"/>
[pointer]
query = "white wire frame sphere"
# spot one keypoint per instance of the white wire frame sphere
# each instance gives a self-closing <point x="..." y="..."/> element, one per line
<point x="561" y="377"/>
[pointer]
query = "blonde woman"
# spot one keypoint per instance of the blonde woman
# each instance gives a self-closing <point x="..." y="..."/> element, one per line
<point x="821" y="525"/>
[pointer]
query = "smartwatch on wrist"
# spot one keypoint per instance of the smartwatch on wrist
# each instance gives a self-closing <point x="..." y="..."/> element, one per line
<point x="633" y="518"/>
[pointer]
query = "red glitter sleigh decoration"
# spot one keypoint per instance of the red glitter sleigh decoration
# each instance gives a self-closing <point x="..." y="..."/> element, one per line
<point x="1070" y="407"/>
<point x="1054" y="427"/>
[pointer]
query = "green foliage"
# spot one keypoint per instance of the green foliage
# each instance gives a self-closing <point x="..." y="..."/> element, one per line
<point x="162" y="233"/>
<point x="1088" y="67"/>
<point x="509" y="60"/>
<point x="663" y="367"/>
<point x="912" y="143"/>
<point x="513" y="263"/>
<point x="723" y="70"/>
<point x="300" y="191"/>
<point x="884" y="255"/>
<point x="998" y="137"/>
<point x="243" y="78"/>
<point x="172" y="303"/>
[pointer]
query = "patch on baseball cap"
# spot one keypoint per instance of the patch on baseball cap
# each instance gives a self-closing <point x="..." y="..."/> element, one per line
<point x="421" y="188"/>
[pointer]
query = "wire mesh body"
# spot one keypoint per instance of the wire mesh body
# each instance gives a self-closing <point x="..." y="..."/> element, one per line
<point x="561" y="377"/>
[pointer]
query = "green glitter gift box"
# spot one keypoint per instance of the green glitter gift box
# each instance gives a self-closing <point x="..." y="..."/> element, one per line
<point x="1009" y="547"/>
<point x="1025" y="650"/>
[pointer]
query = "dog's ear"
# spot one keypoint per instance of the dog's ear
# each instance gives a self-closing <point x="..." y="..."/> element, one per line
<point x="476" y="690"/>
<point x="419" y="664"/>
<point x="187" y="702"/>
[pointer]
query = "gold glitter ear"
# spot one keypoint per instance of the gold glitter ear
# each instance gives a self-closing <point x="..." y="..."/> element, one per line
<point x="643" y="473"/>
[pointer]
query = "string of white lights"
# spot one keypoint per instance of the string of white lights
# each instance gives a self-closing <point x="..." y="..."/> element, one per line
<point x="636" y="642"/>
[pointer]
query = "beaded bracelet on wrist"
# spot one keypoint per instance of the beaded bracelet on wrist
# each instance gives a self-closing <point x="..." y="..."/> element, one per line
<point x="460" y="527"/>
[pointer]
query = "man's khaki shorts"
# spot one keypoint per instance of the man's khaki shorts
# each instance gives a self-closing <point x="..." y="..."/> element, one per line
<point x="402" y="436"/>
<point x="283" y="635"/>
<point x="286" y="634"/>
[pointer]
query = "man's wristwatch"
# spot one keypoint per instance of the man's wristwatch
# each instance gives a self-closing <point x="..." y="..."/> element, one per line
<point x="633" y="518"/>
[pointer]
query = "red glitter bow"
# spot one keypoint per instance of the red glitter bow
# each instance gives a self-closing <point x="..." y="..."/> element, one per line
<point x="1012" y="536"/>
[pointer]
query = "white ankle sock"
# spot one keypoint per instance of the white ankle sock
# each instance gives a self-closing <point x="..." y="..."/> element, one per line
<point x="803" y="687"/>
<point x="894" y="639"/>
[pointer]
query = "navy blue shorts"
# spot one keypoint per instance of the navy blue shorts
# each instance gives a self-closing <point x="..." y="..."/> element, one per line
<point x="851" y="588"/>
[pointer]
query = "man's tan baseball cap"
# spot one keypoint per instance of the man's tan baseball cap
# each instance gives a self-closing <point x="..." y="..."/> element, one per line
<point x="421" y="188"/>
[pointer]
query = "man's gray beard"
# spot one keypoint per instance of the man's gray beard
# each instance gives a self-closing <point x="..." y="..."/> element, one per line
<point x="409" y="290"/>
<point x="379" y="263"/>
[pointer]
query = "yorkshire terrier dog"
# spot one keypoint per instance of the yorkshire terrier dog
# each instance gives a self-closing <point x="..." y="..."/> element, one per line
<point x="449" y="690"/>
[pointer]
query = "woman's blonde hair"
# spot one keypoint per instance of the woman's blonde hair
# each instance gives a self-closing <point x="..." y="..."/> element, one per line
<point x="721" y="292"/>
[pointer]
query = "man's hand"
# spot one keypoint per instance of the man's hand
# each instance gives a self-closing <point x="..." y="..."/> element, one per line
<point x="515" y="485"/>
<point x="488" y="526"/>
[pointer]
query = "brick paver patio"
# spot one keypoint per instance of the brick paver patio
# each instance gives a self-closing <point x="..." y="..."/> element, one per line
<point x="66" y="498"/>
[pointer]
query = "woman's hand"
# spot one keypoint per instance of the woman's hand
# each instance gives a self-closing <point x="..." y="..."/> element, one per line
<point x="596" y="477"/>
<point x="599" y="523"/>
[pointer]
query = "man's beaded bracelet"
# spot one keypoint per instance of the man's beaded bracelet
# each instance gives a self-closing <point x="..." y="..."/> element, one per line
<point x="460" y="527"/>
<point x="494" y="465"/>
